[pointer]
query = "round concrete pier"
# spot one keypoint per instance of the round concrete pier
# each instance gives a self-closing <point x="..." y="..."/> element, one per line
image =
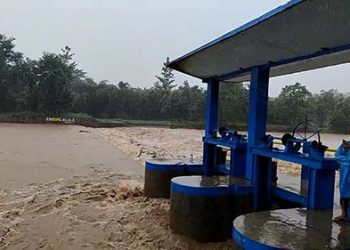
<point x="158" y="175"/>
<point x="296" y="228"/>
<point x="203" y="207"/>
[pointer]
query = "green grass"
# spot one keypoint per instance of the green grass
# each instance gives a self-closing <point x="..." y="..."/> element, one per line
<point x="77" y="115"/>
<point x="127" y="122"/>
<point x="170" y="124"/>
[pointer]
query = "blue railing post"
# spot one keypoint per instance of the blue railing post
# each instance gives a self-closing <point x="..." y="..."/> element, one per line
<point x="211" y="125"/>
<point x="304" y="178"/>
<point x="258" y="168"/>
<point x="321" y="189"/>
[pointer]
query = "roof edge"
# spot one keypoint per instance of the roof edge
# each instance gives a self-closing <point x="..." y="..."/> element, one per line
<point x="236" y="31"/>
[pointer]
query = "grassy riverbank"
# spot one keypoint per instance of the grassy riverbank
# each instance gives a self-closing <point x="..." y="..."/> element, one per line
<point x="89" y="121"/>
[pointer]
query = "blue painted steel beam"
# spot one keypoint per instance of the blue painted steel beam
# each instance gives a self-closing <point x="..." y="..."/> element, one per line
<point x="222" y="169"/>
<point x="233" y="145"/>
<point x="321" y="189"/>
<point x="319" y="53"/>
<point x="238" y="163"/>
<point x="237" y="159"/>
<point x="211" y="125"/>
<point x="212" y="108"/>
<point x="320" y="178"/>
<point x="318" y="163"/>
<point x="258" y="101"/>
<point x="258" y="168"/>
<point x="304" y="169"/>
<point x="289" y="196"/>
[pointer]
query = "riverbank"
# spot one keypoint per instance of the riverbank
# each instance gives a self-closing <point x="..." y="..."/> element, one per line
<point x="89" y="121"/>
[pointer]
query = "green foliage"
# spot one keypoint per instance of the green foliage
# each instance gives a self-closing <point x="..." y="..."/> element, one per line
<point x="187" y="103"/>
<point x="340" y="118"/>
<point x="166" y="80"/>
<point x="324" y="106"/>
<point x="42" y="85"/>
<point x="125" y="102"/>
<point x="11" y="84"/>
<point x="292" y="104"/>
<point x="162" y="90"/>
<point x="234" y="103"/>
<point x="53" y="85"/>
<point x="56" y="74"/>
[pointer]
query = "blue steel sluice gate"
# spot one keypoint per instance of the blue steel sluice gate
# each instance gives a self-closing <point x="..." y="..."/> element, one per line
<point x="241" y="198"/>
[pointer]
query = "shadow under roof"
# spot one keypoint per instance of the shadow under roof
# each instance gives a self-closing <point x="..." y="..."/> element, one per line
<point x="298" y="36"/>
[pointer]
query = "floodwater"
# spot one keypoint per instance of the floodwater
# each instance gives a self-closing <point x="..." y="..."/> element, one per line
<point x="42" y="153"/>
<point x="65" y="187"/>
<point x="66" y="176"/>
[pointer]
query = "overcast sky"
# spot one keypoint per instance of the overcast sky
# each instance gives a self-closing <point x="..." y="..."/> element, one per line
<point x="129" y="39"/>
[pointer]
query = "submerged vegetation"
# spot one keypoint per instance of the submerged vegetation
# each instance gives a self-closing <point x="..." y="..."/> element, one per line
<point x="54" y="85"/>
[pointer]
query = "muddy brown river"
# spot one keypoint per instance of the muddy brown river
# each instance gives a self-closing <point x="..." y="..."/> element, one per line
<point x="41" y="153"/>
<point x="85" y="182"/>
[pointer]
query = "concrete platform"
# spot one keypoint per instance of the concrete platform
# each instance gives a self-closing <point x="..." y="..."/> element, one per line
<point x="158" y="175"/>
<point x="203" y="208"/>
<point x="291" y="229"/>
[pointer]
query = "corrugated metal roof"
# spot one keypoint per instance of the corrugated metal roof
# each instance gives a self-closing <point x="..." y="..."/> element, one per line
<point x="298" y="36"/>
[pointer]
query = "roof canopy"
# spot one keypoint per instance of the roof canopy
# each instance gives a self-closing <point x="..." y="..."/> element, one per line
<point x="298" y="36"/>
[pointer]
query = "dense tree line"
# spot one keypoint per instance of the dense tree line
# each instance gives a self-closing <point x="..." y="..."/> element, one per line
<point x="53" y="85"/>
<point x="163" y="101"/>
<point x="328" y="109"/>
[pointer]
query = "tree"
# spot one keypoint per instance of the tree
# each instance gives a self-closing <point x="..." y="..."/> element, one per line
<point x="166" y="80"/>
<point x="233" y="103"/>
<point x="8" y="57"/>
<point x="54" y="85"/>
<point x="187" y="103"/>
<point x="55" y="75"/>
<point x="84" y="95"/>
<point x="324" y="106"/>
<point x="340" y="119"/>
<point x="162" y="89"/>
<point x="293" y="103"/>
<point x="11" y="78"/>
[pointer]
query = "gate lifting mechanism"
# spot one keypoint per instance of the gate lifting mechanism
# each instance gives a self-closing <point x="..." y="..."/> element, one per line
<point x="297" y="140"/>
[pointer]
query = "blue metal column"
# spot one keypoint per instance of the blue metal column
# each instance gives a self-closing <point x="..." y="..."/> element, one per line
<point x="305" y="170"/>
<point x="258" y="168"/>
<point x="304" y="173"/>
<point x="321" y="189"/>
<point x="211" y="124"/>
<point x="238" y="163"/>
